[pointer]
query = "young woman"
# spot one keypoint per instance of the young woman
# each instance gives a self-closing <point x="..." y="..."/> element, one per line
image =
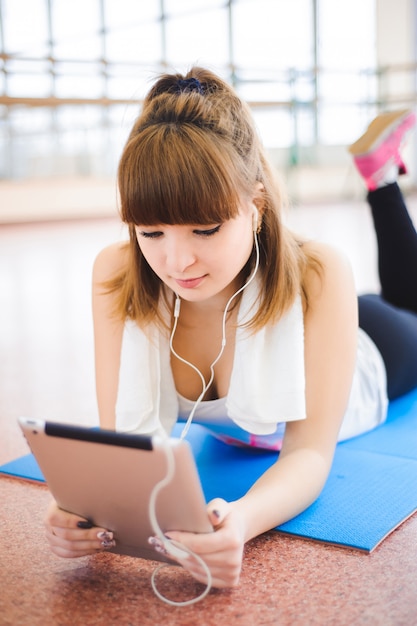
<point x="216" y="312"/>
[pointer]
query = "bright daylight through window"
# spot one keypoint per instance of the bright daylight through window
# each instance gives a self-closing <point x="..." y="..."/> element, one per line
<point x="69" y="87"/>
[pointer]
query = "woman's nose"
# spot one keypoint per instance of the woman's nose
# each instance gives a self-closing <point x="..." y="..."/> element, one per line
<point x="180" y="255"/>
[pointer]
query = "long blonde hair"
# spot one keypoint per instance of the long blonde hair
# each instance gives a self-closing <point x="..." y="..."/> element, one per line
<point x="191" y="156"/>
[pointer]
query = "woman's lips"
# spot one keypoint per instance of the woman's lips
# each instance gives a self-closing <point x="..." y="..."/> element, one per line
<point x="189" y="283"/>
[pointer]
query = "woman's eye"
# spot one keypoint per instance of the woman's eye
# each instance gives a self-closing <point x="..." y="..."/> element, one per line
<point x="208" y="232"/>
<point x="150" y="235"/>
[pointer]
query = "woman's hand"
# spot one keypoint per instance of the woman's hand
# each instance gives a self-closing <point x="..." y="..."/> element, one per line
<point x="222" y="550"/>
<point x="71" y="536"/>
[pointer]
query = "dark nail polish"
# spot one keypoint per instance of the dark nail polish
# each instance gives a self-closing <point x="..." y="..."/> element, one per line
<point x="85" y="524"/>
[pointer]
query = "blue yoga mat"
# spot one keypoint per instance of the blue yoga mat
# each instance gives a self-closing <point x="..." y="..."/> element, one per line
<point x="371" y="489"/>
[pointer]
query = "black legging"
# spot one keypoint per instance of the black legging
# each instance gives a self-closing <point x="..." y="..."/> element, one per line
<point x="390" y="319"/>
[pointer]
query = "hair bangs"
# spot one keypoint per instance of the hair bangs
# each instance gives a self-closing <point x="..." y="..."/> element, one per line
<point x="178" y="174"/>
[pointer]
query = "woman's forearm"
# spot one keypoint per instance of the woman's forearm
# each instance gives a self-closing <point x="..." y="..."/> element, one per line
<point x="283" y="491"/>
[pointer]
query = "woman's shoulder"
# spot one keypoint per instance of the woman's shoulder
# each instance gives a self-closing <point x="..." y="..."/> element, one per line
<point x="328" y="269"/>
<point x="111" y="261"/>
<point x="326" y="257"/>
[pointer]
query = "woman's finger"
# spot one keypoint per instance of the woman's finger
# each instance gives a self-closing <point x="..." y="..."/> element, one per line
<point x="70" y="534"/>
<point x="218" y="509"/>
<point x="60" y="544"/>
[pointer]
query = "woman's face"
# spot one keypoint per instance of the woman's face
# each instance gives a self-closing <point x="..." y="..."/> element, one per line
<point x="199" y="262"/>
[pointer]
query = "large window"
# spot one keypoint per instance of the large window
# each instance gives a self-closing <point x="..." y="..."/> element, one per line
<point x="347" y="82"/>
<point x="72" y="73"/>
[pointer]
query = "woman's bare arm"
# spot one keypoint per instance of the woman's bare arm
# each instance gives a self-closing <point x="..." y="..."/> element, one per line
<point x="108" y="332"/>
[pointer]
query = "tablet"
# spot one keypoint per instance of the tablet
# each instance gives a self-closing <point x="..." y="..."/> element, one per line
<point x="108" y="477"/>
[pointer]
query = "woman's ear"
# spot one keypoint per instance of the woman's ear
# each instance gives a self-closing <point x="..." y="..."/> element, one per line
<point x="258" y="198"/>
<point x="258" y="201"/>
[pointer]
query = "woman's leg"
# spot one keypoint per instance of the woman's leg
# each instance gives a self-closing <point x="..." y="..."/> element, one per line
<point x="397" y="247"/>
<point x="377" y="157"/>
<point x="390" y="319"/>
<point x="394" y="332"/>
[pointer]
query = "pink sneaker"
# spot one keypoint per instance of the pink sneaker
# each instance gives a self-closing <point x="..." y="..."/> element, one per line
<point x="379" y="147"/>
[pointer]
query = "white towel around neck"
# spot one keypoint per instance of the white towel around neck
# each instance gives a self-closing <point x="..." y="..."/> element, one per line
<point x="267" y="384"/>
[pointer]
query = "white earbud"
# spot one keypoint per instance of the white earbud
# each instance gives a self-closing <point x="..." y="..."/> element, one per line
<point x="255" y="217"/>
<point x="177" y="306"/>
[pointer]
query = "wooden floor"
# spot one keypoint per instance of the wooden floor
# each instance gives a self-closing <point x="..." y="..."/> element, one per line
<point x="46" y="370"/>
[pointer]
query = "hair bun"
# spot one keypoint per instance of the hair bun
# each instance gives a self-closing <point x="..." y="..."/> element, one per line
<point x="189" y="84"/>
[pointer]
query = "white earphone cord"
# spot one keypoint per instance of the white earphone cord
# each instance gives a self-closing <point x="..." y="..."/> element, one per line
<point x="174" y="547"/>
<point x="169" y="544"/>
<point x="207" y="385"/>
